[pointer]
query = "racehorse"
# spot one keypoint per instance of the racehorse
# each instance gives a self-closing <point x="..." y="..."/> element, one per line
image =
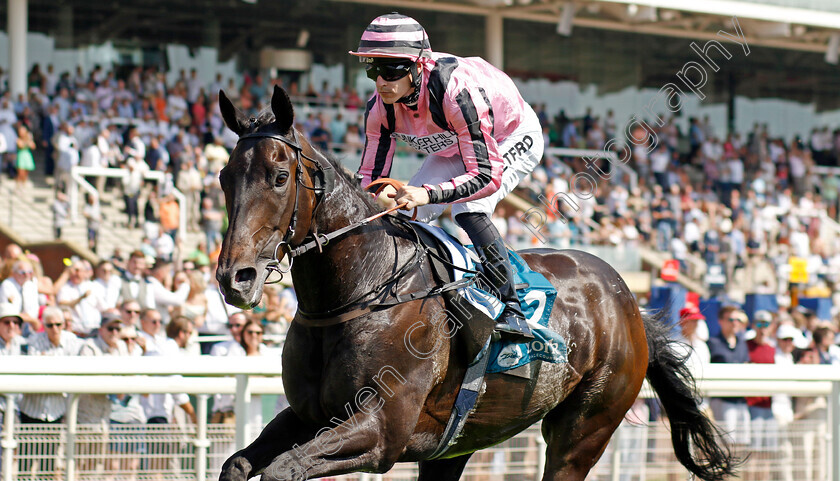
<point x="361" y="397"/>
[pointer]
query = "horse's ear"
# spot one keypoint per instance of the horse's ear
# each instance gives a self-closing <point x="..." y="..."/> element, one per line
<point x="234" y="118"/>
<point x="281" y="106"/>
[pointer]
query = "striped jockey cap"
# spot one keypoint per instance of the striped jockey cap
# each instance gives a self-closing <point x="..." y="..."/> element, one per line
<point x="393" y="36"/>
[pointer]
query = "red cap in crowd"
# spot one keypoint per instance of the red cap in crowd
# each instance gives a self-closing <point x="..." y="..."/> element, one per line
<point x="691" y="313"/>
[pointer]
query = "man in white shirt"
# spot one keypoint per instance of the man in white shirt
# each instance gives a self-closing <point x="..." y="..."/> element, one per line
<point x="67" y="154"/>
<point x="48" y="408"/>
<point x="96" y="408"/>
<point x="78" y="295"/>
<point x="161" y="276"/>
<point x="106" y="286"/>
<point x="54" y="341"/>
<point x="134" y="283"/>
<point x="21" y="291"/>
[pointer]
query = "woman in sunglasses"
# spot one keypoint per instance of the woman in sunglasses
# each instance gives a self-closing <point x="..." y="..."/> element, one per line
<point x="480" y="136"/>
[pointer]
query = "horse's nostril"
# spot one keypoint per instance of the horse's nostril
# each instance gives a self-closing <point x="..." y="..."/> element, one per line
<point x="246" y="275"/>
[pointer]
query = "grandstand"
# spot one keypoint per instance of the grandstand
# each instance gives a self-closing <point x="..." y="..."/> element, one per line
<point x="711" y="132"/>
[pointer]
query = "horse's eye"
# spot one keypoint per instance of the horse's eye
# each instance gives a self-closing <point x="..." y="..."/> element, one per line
<point x="281" y="179"/>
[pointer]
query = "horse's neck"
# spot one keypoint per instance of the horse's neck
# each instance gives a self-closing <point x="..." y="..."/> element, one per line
<point x="352" y="264"/>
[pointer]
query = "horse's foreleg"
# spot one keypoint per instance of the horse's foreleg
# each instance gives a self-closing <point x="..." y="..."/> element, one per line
<point x="443" y="469"/>
<point x="280" y="435"/>
<point x="359" y="443"/>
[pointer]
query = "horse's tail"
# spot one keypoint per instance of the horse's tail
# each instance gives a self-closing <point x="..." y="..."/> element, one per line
<point x="668" y="374"/>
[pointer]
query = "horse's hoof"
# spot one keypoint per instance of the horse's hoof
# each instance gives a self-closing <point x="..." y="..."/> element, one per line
<point x="235" y="469"/>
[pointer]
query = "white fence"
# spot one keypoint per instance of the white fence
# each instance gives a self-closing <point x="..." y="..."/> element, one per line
<point x="803" y="450"/>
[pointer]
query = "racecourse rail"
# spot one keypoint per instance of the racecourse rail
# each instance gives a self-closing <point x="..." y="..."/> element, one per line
<point x="242" y="377"/>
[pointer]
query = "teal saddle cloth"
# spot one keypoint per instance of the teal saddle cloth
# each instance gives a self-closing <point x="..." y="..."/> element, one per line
<point x="536" y="298"/>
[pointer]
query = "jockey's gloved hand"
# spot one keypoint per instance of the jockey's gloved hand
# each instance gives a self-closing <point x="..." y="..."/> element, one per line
<point x="414" y="196"/>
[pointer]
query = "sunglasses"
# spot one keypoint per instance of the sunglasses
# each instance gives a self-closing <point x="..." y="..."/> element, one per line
<point x="762" y="324"/>
<point x="9" y="322"/>
<point x="24" y="273"/>
<point x="389" y="72"/>
<point x="53" y="324"/>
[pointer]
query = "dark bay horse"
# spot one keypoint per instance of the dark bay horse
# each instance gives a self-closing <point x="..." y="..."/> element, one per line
<point x="379" y="389"/>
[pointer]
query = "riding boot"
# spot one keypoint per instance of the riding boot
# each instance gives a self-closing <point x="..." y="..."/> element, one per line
<point x="500" y="275"/>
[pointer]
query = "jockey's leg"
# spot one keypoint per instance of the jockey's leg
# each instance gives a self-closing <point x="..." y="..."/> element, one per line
<point x="498" y="272"/>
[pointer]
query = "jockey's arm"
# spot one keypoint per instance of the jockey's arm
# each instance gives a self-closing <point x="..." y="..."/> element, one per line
<point x="378" y="153"/>
<point x="470" y="117"/>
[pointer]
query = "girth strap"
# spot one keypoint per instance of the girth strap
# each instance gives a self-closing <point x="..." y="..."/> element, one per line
<point x="464" y="402"/>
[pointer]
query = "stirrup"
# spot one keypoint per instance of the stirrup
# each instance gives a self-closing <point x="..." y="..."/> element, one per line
<point x="514" y="327"/>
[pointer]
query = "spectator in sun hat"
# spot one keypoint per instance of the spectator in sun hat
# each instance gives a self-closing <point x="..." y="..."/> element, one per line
<point x="10" y="326"/>
<point x="107" y="340"/>
<point x="96" y="408"/>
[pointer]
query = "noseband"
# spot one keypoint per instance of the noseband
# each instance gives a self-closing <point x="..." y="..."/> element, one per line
<point x="323" y="181"/>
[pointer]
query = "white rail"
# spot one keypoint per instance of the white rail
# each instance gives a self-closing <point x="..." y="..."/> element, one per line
<point x="245" y="376"/>
<point x="78" y="175"/>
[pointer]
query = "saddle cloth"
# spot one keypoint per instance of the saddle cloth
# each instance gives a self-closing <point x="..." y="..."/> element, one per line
<point x="536" y="299"/>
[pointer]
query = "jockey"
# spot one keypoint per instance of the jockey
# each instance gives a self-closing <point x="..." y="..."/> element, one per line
<point x="480" y="136"/>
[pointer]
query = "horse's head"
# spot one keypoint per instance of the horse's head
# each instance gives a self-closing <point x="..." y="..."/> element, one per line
<point x="266" y="196"/>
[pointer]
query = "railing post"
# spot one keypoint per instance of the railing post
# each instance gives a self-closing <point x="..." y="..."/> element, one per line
<point x="240" y="409"/>
<point x="8" y="443"/>
<point x="70" y="440"/>
<point x="615" y="458"/>
<point x="74" y="195"/>
<point x="201" y="442"/>
<point x="541" y="447"/>
<point x="834" y="436"/>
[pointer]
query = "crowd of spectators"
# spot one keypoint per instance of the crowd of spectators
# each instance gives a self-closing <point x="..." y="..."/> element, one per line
<point x="137" y="306"/>
<point x="780" y="430"/>
<point x="741" y="203"/>
<point x="142" y="123"/>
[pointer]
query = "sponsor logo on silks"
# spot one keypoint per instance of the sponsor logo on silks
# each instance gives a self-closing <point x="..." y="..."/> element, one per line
<point x="518" y="148"/>
<point x="428" y="144"/>
<point x="509" y="356"/>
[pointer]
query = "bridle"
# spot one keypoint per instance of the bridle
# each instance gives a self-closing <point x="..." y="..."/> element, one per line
<point x="323" y="182"/>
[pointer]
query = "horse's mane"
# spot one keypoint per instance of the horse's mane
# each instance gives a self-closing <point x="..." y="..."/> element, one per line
<point x="265" y="122"/>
